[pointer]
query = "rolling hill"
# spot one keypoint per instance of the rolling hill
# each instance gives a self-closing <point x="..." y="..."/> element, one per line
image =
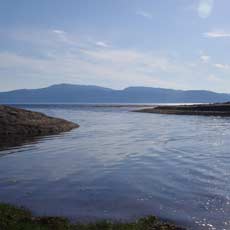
<point x="67" y="93"/>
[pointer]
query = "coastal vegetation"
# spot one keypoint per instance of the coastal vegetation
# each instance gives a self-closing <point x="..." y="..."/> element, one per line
<point x="14" y="218"/>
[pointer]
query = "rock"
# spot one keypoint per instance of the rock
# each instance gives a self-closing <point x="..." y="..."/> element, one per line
<point x="19" y="123"/>
<point x="216" y="109"/>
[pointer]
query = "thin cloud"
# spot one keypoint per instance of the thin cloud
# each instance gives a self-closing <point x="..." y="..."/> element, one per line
<point x="64" y="37"/>
<point x="214" y="78"/>
<point x="144" y="14"/>
<point x="102" y="44"/>
<point x="217" y="34"/>
<point x="75" y="68"/>
<point x="205" y="8"/>
<point x="59" y="32"/>
<point x="205" y="58"/>
<point x="222" y="66"/>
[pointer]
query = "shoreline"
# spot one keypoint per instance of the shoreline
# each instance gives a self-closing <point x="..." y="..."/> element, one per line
<point x="19" y="125"/>
<point x="216" y="109"/>
<point x="19" y="218"/>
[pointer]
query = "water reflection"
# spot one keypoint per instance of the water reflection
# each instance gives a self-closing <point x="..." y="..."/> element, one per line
<point x="15" y="142"/>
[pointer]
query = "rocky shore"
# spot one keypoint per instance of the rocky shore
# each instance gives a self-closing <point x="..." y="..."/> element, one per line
<point x="19" y="124"/>
<point x="216" y="109"/>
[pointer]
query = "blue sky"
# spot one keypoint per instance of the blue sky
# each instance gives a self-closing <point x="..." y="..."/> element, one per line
<point x="181" y="44"/>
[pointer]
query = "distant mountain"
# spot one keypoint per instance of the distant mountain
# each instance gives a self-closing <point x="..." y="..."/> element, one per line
<point x="67" y="93"/>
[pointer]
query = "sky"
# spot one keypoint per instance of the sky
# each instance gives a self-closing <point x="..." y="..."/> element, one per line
<point x="179" y="44"/>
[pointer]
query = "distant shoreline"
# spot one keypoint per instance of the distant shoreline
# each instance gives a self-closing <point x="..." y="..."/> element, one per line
<point x="215" y="109"/>
<point x="102" y="105"/>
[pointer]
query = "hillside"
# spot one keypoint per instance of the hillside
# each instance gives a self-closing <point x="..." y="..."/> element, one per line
<point x="67" y="93"/>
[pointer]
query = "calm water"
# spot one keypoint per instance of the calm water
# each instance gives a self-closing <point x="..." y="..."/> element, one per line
<point x="123" y="165"/>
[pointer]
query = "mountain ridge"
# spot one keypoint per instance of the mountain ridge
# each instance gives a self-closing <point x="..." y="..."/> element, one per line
<point x="70" y="93"/>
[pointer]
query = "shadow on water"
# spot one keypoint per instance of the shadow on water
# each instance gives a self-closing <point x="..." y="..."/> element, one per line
<point x="11" y="142"/>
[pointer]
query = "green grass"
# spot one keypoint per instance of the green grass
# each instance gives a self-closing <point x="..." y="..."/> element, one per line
<point x="13" y="218"/>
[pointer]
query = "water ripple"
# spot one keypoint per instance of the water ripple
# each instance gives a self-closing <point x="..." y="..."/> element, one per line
<point x="122" y="165"/>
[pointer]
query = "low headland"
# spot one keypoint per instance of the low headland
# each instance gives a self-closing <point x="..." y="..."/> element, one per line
<point x="215" y="109"/>
<point x="20" y="125"/>
<point x="15" y="218"/>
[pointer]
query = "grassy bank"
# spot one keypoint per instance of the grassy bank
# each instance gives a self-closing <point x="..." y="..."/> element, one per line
<point x="13" y="218"/>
